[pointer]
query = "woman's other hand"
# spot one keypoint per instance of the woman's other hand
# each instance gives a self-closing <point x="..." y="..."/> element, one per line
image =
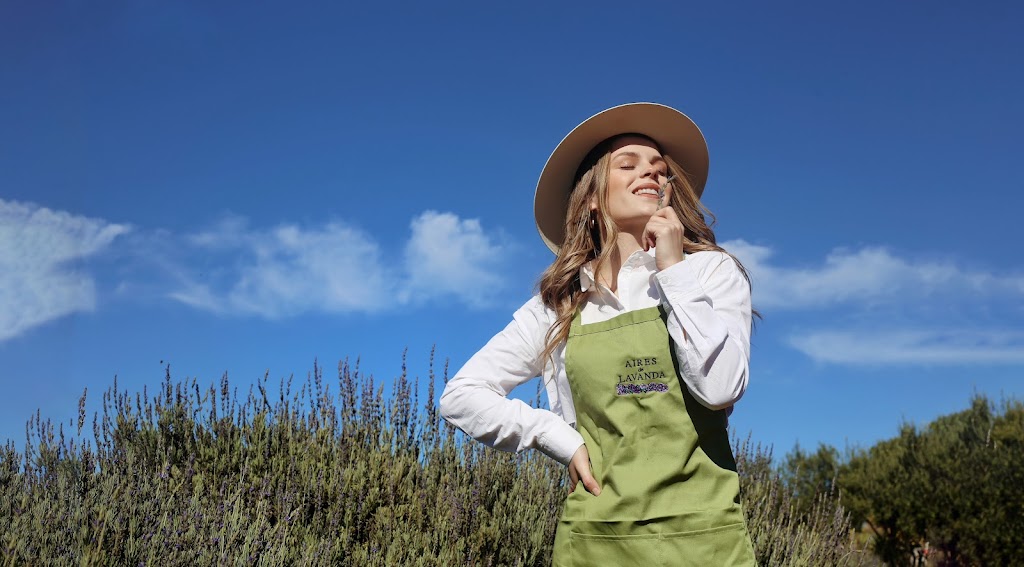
<point x="667" y="233"/>
<point x="579" y="470"/>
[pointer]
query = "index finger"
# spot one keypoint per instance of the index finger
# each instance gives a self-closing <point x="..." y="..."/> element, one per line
<point x="666" y="213"/>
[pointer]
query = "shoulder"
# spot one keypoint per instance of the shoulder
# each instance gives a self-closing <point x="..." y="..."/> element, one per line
<point x="534" y="314"/>
<point x="709" y="257"/>
<point x="713" y="268"/>
<point x="707" y="263"/>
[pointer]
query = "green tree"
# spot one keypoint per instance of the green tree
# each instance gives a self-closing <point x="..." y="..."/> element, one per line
<point x="811" y="475"/>
<point x="956" y="483"/>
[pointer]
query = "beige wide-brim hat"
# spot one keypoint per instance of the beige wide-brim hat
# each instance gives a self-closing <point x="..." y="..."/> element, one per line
<point x="673" y="131"/>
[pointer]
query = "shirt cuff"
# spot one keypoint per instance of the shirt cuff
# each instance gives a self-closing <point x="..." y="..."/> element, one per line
<point x="560" y="444"/>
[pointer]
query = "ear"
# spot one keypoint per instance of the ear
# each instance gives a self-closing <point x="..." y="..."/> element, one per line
<point x="593" y="203"/>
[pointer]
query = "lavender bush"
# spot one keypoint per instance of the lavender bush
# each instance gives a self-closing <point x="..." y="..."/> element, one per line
<point x="315" y="476"/>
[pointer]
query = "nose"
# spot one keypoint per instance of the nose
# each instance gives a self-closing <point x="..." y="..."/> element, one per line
<point x="650" y="171"/>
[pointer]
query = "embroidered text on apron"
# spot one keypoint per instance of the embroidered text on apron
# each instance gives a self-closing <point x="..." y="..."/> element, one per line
<point x="669" y="490"/>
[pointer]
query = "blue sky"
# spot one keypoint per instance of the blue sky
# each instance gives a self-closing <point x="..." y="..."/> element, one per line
<point x="245" y="187"/>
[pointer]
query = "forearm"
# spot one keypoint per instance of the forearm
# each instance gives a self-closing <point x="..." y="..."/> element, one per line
<point x="505" y="423"/>
<point x="709" y="322"/>
<point x="476" y="399"/>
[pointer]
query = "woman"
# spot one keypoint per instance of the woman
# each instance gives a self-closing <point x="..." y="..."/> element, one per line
<point x="641" y="331"/>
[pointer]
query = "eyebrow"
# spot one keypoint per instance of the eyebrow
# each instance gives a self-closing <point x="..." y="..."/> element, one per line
<point x="636" y="155"/>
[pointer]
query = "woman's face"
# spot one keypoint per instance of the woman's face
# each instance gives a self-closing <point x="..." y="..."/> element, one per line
<point x="636" y="171"/>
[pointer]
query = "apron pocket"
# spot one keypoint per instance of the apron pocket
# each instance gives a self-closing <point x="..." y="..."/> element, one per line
<point x="724" y="545"/>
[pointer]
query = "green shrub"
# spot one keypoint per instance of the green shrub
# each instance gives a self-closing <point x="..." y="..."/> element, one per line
<point x="191" y="476"/>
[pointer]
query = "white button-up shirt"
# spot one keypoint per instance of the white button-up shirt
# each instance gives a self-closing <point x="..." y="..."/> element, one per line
<point x="709" y="315"/>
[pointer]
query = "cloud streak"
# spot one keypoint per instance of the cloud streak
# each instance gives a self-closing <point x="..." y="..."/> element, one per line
<point x="235" y="269"/>
<point x="337" y="268"/>
<point x="849" y="284"/>
<point x="862" y="276"/>
<point x="39" y="277"/>
<point x="912" y="347"/>
<point x="289" y="270"/>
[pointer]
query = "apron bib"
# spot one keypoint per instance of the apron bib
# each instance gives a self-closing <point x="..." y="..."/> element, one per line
<point x="669" y="488"/>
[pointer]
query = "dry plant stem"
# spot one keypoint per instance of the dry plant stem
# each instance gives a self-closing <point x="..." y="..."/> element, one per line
<point x="661" y="191"/>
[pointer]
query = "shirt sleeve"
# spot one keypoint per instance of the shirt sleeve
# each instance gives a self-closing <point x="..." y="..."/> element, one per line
<point x="709" y="317"/>
<point x="476" y="399"/>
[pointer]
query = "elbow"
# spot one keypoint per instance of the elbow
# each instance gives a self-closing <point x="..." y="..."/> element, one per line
<point x="722" y="392"/>
<point x="448" y="406"/>
<point x="724" y="378"/>
<point x="718" y="402"/>
<point x="460" y="402"/>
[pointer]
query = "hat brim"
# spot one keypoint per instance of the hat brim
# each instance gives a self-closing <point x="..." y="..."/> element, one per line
<point x="673" y="131"/>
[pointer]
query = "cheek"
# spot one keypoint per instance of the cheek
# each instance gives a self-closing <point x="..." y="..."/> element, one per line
<point x="617" y="183"/>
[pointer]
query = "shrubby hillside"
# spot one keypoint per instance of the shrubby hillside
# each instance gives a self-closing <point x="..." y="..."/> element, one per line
<point x="328" y="472"/>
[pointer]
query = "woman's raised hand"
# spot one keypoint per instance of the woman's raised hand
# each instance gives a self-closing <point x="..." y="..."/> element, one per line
<point x="579" y="470"/>
<point x="666" y="232"/>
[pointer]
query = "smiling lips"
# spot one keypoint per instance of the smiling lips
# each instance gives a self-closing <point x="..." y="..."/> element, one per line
<point x="647" y="190"/>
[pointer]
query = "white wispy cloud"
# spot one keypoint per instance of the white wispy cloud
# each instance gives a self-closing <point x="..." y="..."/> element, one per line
<point x="916" y="346"/>
<point x="851" y="283"/>
<point x="867" y="275"/>
<point x="289" y="270"/>
<point x="337" y="268"/>
<point x="449" y="256"/>
<point x="39" y="250"/>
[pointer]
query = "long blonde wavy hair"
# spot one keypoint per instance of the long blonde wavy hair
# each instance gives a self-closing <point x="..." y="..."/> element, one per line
<point x="586" y="230"/>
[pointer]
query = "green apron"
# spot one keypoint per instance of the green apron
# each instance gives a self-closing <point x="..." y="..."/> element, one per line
<point x="669" y="489"/>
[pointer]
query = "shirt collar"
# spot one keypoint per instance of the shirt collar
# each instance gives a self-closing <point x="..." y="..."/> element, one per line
<point x="638" y="257"/>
